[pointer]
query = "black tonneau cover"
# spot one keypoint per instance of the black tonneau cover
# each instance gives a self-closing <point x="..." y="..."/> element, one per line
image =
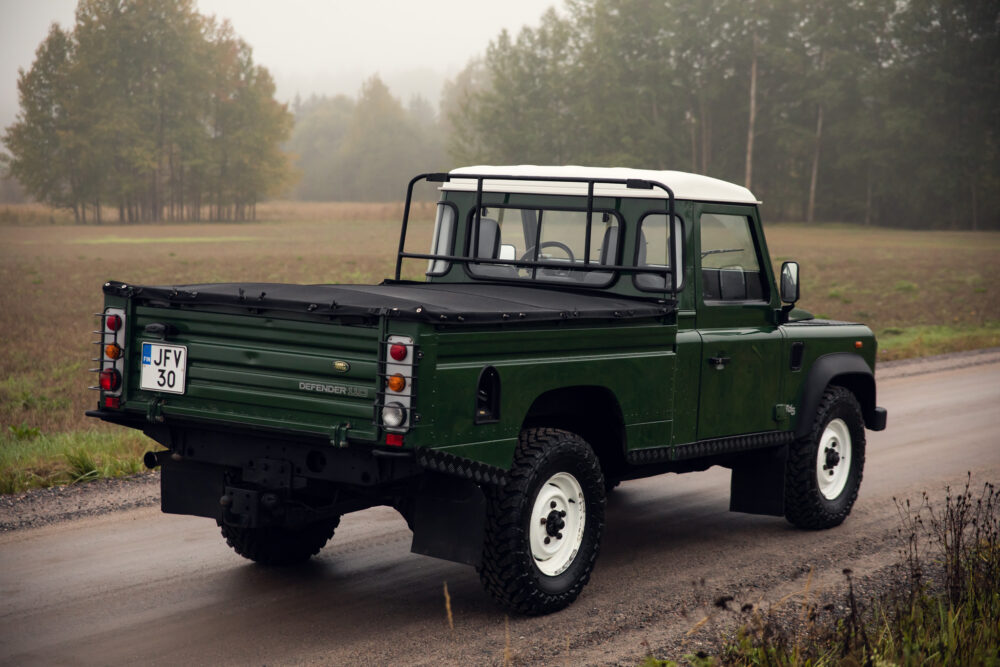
<point x="453" y="303"/>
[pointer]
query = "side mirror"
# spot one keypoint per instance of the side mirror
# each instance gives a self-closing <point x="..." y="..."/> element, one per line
<point x="507" y="251"/>
<point x="790" y="282"/>
<point x="677" y="252"/>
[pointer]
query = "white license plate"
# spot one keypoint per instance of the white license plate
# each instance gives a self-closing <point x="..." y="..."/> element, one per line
<point x="164" y="368"/>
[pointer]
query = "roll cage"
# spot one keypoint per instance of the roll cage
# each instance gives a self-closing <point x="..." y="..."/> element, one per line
<point x="676" y="226"/>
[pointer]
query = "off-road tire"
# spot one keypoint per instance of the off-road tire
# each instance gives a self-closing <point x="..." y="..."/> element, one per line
<point x="278" y="546"/>
<point x="508" y="571"/>
<point x="805" y="506"/>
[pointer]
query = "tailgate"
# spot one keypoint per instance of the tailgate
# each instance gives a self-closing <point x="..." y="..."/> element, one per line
<point x="295" y="375"/>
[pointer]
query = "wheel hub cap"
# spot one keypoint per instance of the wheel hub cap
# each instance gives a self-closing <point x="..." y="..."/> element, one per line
<point x="833" y="459"/>
<point x="556" y="525"/>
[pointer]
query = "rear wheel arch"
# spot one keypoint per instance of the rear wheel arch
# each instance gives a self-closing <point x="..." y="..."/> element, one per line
<point x="590" y="411"/>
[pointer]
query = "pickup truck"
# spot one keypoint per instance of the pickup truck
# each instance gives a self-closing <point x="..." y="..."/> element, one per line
<point x="576" y="327"/>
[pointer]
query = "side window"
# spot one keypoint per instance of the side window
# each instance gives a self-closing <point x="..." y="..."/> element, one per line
<point x="730" y="269"/>
<point x="653" y="250"/>
<point x="443" y="239"/>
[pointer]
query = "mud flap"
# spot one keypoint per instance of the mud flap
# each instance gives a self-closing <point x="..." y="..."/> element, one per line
<point x="758" y="483"/>
<point x="191" y="488"/>
<point x="449" y="519"/>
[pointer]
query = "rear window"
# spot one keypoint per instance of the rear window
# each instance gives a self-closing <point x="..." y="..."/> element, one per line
<point x="547" y="235"/>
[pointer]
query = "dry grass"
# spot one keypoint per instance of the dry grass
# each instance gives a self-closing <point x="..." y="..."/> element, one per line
<point x="901" y="283"/>
<point x="922" y="292"/>
<point x="282" y="211"/>
<point x="34" y="214"/>
<point x="271" y="211"/>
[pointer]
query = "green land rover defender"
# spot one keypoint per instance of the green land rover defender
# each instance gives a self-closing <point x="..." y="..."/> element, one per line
<point x="576" y="327"/>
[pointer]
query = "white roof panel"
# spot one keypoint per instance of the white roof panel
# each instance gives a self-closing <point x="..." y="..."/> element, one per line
<point x="684" y="185"/>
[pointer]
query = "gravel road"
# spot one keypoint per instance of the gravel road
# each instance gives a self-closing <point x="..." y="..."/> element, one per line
<point x="94" y="574"/>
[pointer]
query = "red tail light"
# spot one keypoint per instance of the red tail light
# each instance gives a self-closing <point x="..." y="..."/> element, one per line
<point x="110" y="379"/>
<point x="397" y="351"/>
<point x="113" y="322"/>
<point x="394" y="439"/>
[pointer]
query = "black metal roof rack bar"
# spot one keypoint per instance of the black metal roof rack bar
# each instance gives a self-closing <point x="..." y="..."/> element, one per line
<point x="535" y="264"/>
<point x="590" y="218"/>
<point x="541" y="264"/>
<point x="474" y="248"/>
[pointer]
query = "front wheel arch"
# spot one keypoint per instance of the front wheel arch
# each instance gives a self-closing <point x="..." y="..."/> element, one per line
<point x="841" y="369"/>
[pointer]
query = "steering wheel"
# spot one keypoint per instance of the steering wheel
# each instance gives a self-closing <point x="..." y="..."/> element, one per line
<point x="548" y="244"/>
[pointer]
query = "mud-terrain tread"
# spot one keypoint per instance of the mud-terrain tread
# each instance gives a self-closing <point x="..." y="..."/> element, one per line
<point x="277" y="546"/>
<point x="507" y="571"/>
<point x="804" y="505"/>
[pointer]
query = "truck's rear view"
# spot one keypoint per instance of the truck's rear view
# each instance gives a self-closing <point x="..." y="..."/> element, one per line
<point x="554" y="350"/>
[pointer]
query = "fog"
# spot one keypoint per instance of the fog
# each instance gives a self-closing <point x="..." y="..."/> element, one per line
<point x="312" y="46"/>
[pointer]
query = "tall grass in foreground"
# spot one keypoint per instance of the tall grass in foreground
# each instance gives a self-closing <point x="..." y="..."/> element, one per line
<point x="30" y="459"/>
<point x="942" y="606"/>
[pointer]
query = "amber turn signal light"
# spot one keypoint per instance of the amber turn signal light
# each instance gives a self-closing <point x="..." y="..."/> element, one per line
<point x="396" y="382"/>
<point x="112" y="351"/>
<point x="858" y="344"/>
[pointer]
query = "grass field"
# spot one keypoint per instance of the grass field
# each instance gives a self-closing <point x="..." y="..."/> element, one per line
<point x="922" y="292"/>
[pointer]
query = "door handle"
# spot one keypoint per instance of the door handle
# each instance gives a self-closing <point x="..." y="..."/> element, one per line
<point x="719" y="362"/>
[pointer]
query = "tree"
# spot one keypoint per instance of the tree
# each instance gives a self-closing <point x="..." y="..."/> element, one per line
<point x="457" y="122"/>
<point x="362" y="150"/>
<point x="40" y="141"/>
<point x="867" y="110"/>
<point x="145" y="104"/>
<point x="320" y="127"/>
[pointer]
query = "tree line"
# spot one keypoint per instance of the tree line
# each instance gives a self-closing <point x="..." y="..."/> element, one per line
<point x="874" y="111"/>
<point x="149" y="108"/>
<point x="363" y="149"/>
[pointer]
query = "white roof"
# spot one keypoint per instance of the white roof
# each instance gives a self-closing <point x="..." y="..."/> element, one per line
<point x="684" y="185"/>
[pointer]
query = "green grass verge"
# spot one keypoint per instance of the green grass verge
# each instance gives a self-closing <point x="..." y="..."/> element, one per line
<point x="30" y="459"/>
<point x="924" y="341"/>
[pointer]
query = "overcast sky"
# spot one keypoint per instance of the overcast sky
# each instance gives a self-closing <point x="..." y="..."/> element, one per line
<point x="313" y="46"/>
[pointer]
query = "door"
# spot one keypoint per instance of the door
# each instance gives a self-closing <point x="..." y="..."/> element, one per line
<point x="741" y="346"/>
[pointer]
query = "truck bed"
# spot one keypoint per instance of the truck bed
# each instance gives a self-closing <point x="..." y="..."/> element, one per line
<point x="438" y="303"/>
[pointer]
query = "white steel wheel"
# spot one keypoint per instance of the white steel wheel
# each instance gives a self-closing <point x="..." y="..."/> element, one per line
<point x="833" y="459"/>
<point x="558" y="519"/>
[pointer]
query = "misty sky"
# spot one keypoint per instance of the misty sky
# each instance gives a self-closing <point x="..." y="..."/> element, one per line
<point x="313" y="46"/>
